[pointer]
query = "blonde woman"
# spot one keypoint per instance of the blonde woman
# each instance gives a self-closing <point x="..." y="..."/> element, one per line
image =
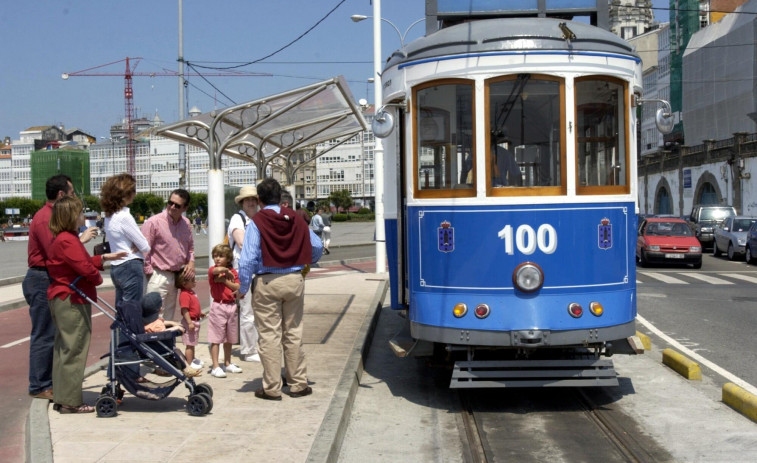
<point x="72" y="314"/>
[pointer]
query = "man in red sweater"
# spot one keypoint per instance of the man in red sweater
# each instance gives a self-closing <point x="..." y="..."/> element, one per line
<point x="35" y="286"/>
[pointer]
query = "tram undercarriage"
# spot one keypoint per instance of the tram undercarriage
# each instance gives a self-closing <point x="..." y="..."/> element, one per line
<point x="530" y="360"/>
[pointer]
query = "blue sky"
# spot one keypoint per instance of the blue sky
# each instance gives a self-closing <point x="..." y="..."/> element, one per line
<point x="44" y="38"/>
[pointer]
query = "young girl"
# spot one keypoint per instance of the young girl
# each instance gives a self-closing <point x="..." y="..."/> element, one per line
<point x="191" y="314"/>
<point x="222" y="319"/>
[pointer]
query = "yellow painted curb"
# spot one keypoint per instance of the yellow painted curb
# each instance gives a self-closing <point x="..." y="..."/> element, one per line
<point x="678" y="362"/>
<point x="740" y="400"/>
<point x="645" y="341"/>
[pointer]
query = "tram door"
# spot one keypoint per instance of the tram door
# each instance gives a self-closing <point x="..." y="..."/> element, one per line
<point x="402" y="271"/>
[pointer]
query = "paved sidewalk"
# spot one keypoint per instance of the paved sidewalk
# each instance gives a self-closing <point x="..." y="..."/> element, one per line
<point x="340" y="313"/>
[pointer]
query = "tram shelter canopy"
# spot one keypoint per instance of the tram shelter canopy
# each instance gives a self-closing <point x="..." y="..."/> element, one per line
<point x="271" y="128"/>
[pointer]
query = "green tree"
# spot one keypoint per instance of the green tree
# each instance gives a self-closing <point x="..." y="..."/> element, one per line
<point x="198" y="203"/>
<point x="341" y="199"/>
<point x="146" y="204"/>
<point x="91" y="202"/>
<point x="26" y="206"/>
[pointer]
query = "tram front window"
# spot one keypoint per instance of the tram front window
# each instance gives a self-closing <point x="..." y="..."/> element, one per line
<point x="444" y="158"/>
<point x="601" y="135"/>
<point x="525" y="134"/>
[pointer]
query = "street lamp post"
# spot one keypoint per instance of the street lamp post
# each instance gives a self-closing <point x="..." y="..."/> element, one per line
<point x="378" y="151"/>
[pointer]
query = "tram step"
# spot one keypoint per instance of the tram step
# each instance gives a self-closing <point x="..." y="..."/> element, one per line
<point x="533" y="373"/>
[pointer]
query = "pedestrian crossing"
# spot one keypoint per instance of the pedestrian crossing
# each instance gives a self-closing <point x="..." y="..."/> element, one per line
<point x="696" y="277"/>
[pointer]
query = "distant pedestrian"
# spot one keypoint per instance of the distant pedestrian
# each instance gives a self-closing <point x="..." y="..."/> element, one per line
<point x="326" y="235"/>
<point x="35" y="285"/>
<point x="317" y="225"/>
<point x="172" y="248"/>
<point x="277" y="246"/>
<point x="198" y="224"/>
<point x="303" y="213"/>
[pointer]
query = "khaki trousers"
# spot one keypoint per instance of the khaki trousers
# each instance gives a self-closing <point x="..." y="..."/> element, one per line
<point x="74" y="328"/>
<point x="278" y="303"/>
<point x="163" y="283"/>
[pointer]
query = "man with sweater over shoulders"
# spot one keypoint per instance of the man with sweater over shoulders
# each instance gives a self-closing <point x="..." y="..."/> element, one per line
<point x="277" y="246"/>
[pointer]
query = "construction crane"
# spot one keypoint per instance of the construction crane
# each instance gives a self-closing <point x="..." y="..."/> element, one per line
<point x="131" y="65"/>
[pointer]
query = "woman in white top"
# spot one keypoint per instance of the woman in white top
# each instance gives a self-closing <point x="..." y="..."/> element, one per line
<point x="123" y="234"/>
<point x="247" y="199"/>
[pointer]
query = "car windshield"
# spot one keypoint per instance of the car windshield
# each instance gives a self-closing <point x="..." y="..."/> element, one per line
<point x="712" y="213"/>
<point x="742" y="225"/>
<point x="668" y="229"/>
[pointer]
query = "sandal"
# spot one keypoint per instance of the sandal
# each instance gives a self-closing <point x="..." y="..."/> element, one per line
<point x="83" y="408"/>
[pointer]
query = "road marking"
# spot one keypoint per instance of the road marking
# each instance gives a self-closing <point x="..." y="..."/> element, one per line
<point x="23" y="340"/>
<point x="14" y="343"/>
<point x="721" y="371"/>
<point x="708" y="279"/>
<point x="664" y="278"/>
<point x="739" y="276"/>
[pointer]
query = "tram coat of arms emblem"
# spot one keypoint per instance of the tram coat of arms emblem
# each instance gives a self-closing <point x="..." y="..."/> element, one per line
<point x="604" y="234"/>
<point x="446" y="236"/>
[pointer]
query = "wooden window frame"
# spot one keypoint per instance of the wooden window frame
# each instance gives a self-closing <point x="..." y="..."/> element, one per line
<point x="556" y="190"/>
<point x="604" y="189"/>
<point x="442" y="192"/>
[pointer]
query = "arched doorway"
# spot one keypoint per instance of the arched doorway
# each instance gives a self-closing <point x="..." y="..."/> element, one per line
<point x="662" y="203"/>
<point x="708" y="195"/>
<point x="707" y="191"/>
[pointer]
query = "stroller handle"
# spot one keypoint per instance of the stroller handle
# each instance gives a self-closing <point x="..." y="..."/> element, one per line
<point x="84" y="296"/>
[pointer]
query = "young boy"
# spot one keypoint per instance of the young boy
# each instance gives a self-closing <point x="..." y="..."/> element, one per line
<point x="191" y="314"/>
<point x="223" y="320"/>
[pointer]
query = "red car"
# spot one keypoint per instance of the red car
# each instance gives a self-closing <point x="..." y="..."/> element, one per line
<point x="667" y="240"/>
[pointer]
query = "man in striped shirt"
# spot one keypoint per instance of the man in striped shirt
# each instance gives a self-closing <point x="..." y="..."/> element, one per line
<point x="172" y="248"/>
<point x="277" y="246"/>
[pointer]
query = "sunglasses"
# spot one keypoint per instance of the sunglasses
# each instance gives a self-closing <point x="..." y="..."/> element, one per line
<point x="173" y="204"/>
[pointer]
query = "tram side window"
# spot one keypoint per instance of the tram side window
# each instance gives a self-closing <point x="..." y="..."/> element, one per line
<point x="601" y="135"/>
<point x="444" y="139"/>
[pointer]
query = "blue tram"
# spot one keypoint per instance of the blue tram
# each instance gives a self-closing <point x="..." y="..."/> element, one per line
<point x="510" y="199"/>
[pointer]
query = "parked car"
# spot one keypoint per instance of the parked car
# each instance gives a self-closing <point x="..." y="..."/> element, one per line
<point x="751" y="244"/>
<point x="667" y="240"/>
<point x="730" y="236"/>
<point x="703" y="220"/>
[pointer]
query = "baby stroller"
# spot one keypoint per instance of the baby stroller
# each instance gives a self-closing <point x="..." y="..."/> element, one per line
<point x="131" y="348"/>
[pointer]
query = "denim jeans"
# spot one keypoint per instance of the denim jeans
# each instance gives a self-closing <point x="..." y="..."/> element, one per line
<point x="129" y="280"/>
<point x="42" y="337"/>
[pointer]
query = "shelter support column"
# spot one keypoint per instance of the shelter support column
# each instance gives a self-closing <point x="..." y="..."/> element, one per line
<point x="216" y="219"/>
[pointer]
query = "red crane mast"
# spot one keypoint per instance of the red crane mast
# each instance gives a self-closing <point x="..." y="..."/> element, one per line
<point x="129" y="93"/>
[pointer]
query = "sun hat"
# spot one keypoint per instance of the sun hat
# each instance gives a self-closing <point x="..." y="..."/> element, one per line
<point x="151" y="303"/>
<point x="246" y="192"/>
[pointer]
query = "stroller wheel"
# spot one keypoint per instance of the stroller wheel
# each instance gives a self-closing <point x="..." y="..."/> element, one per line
<point x="198" y="405"/>
<point x="204" y="387"/>
<point x="106" y="406"/>
<point x="208" y="399"/>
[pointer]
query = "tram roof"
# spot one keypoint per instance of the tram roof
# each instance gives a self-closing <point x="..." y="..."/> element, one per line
<point x="275" y="125"/>
<point x="510" y="35"/>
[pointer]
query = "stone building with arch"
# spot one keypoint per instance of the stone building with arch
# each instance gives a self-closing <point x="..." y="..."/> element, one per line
<point x="715" y="172"/>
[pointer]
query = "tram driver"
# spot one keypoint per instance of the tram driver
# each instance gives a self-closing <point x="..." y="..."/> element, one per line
<point x="505" y="171"/>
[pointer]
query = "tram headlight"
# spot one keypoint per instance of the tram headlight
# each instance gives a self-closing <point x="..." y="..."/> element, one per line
<point x="460" y="309"/>
<point x="528" y="277"/>
<point x="596" y="308"/>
